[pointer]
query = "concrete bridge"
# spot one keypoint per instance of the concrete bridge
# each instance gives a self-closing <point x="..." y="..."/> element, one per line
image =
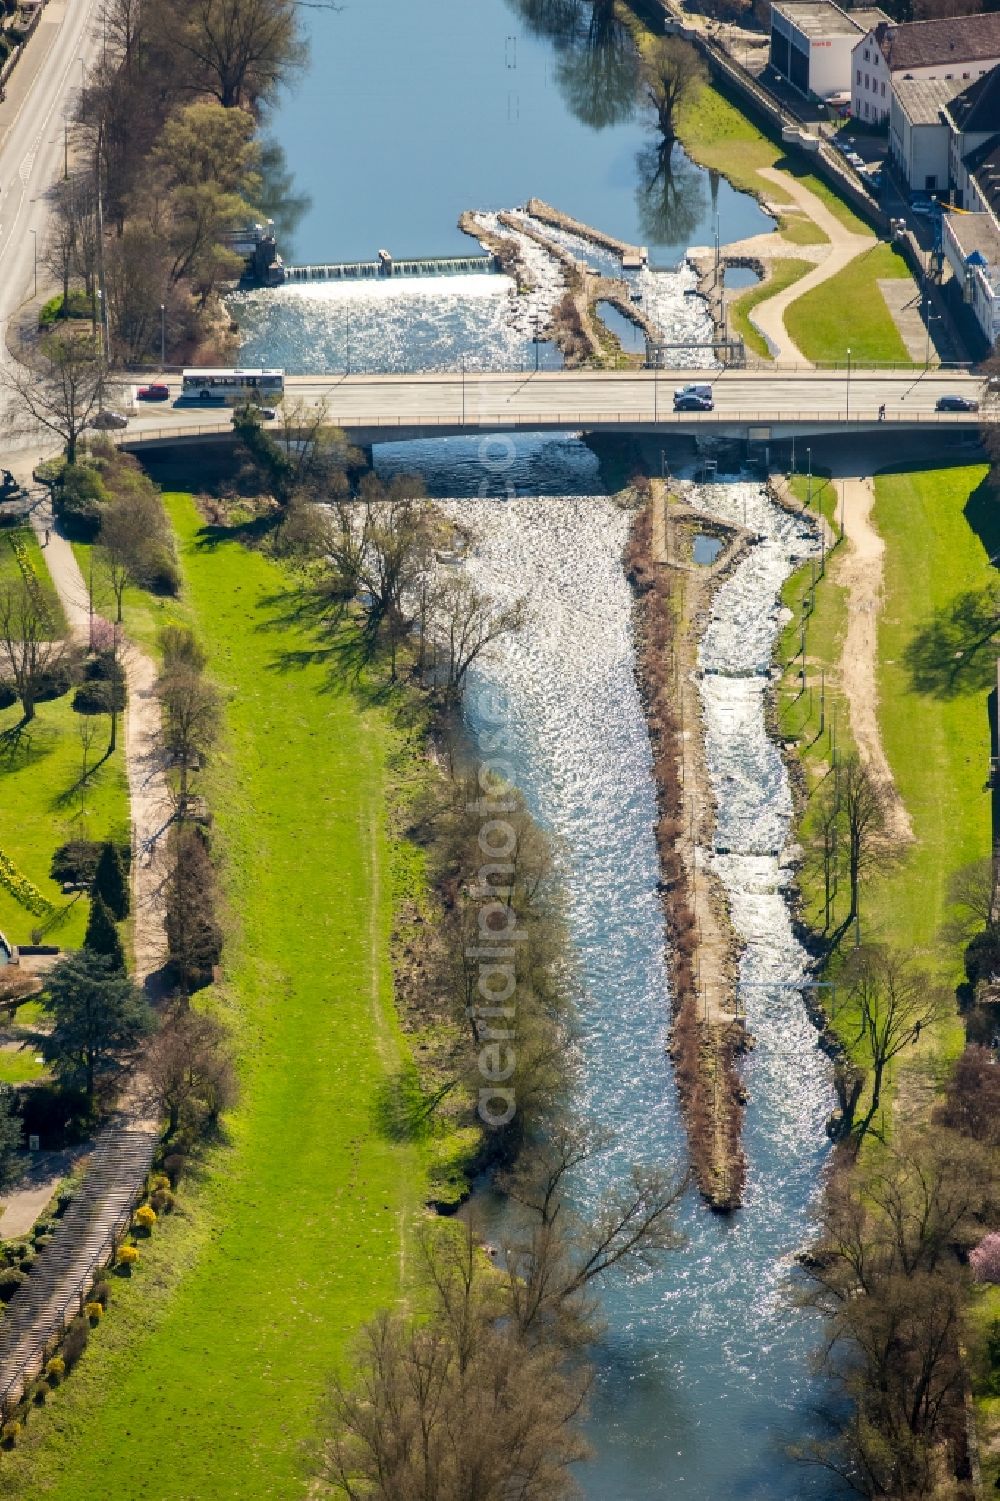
<point x="756" y="404"/>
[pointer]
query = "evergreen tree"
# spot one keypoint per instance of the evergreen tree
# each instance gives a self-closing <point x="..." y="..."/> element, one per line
<point x="11" y="1135"/>
<point x="111" y="882"/>
<point x="99" y="1017"/>
<point x="102" y="936"/>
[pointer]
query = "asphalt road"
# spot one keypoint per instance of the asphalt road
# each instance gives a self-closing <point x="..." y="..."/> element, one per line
<point x="572" y="399"/>
<point x="42" y="92"/>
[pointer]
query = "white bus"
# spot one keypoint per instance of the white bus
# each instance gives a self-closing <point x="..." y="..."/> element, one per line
<point x="234" y="387"/>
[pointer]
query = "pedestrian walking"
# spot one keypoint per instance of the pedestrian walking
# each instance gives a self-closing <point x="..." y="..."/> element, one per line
<point x="881" y="412"/>
<point x="46" y="536"/>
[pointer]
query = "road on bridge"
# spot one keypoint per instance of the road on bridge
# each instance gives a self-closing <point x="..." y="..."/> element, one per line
<point x="377" y="404"/>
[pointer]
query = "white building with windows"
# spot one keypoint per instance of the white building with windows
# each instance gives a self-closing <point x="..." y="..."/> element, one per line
<point x="956" y="48"/>
<point x="919" y="133"/>
<point x="812" y="41"/>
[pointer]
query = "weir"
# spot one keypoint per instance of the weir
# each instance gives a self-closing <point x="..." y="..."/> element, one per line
<point x="387" y="266"/>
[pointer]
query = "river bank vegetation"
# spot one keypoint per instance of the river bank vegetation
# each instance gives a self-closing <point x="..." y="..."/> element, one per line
<point x="705" y="1050"/>
<point x="907" y="1323"/>
<point x="166" y="164"/>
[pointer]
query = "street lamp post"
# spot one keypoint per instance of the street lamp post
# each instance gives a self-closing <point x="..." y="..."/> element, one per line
<point x="163" y="336"/>
<point x="809" y="480"/>
<point x="848" y="411"/>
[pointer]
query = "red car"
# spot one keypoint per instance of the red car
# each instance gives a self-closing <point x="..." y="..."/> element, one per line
<point x="153" y="393"/>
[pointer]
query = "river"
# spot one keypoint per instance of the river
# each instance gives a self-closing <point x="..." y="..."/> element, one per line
<point x="410" y="113"/>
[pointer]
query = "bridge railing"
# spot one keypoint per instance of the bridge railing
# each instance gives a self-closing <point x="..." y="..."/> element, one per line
<point x="570" y="421"/>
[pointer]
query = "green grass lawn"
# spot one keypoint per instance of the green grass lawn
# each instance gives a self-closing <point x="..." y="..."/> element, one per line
<point x="45" y="803"/>
<point x="939" y="532"/>
<point x="783" y="274"/>
<point x="207" y="1378"/>
<point x="718" y="135"/>
<point x="23" y="537"/>
<point x="850" y="311"/>
<point x="146" y="614"/>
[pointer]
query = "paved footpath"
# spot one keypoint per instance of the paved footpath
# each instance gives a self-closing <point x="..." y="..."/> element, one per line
<point x="844" y="247"/>
<point x="64" y="1270"/>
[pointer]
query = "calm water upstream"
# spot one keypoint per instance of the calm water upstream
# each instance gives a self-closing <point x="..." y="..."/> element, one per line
<point x="703" y="1374"/>
<point x="412" y="111"/>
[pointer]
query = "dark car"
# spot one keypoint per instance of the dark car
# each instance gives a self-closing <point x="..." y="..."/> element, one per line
<point x="105" y="420"/>
<point x="155" y="392"/>
<point x="691" y="401"/>
<point x="956" y="404"/>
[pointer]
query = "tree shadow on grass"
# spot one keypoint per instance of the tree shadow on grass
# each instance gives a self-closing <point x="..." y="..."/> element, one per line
<point x="254" y="529"/>
<point x="402" y="1110"/>
<point x="338" y="642"/>
<point x="982" y="512"/>
<point x="955" y="653"/>
<point x="21" y="746"/>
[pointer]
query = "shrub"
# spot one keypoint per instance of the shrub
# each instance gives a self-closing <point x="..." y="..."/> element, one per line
<point x="45" y="1239"/>
<point x="111" y="882"/>
<point x="127" y="1257"/>
<point x="96" y="696"/>
<point x="161" y="574"/>
<point x="174" y="1164"/>
<point x="982" y="957"/>
<point x="94" y="1312"/>
<point x="75" y="1341"/>
<point x="55" y="1370"/>
<point x="39" y="1392"/>
<point x="101" y="1292"/>
<point x="985" y="1259"/>
<point x="162" y="1201"/>
<point x="8" y="696"/>
<point x="10" y="1280"/>
<point x="145" y="1217"/>
<point x="10" y="1433"/>
<point x="77" y="501"/>
<point x="156" y="1182"/>
<point x="55" y="1115"/>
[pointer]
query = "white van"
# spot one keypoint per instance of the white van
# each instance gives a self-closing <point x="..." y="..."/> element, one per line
<point x="702" y="389"/>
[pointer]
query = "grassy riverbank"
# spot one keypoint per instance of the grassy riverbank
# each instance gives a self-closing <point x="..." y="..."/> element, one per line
<point x="817" y="324"/>
<point x="209" y="1372"/>
<point x="718" y="135"/>
<point x="939" y="536"/>
<point x="783" y="274"/>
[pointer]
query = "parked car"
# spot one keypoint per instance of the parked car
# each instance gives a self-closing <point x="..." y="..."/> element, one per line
<point x="956" y="404"/>
<point x="856" y="161"/>
<point x="268" y="414"/>
<point x="925" y="207"/>
<point x="106" y="420"/>
<point x="690" y="401"/>
<point x="154" y="392"/>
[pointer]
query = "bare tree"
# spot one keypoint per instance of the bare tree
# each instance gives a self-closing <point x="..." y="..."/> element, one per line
<point x="61" y="389"/>
<point x="189" y="1068"/>
<point x="672" y="72"/>
<point x="191" y="712"/>
<point x="132" y="535"/>
<point x="471" y="622"/>
<point x="194" y="938"/>
<point x="239" y="51"/>
<point x="30" y="649"/>
<point x="895" y="1002"/>
<point x="863" y="810"/>
<point x="481" y="1398"/>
